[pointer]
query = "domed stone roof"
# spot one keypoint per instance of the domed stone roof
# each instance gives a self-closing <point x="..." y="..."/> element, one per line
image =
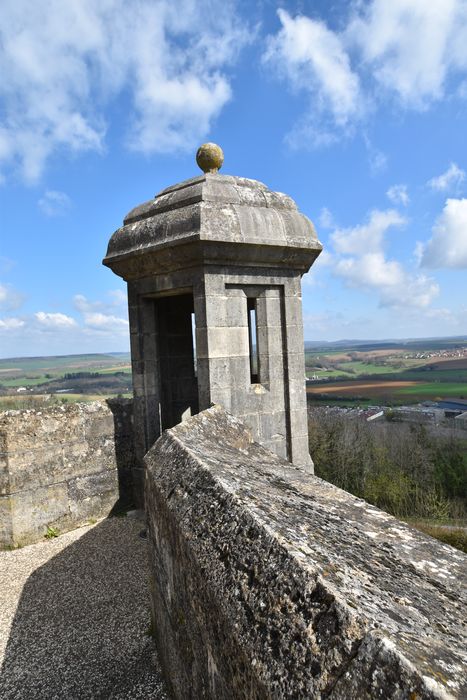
<point x="217" y="219"/>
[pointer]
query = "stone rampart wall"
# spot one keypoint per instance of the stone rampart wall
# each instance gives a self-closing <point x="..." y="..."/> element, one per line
<point x="268" y="582"/>
<point x="62" y="466"/>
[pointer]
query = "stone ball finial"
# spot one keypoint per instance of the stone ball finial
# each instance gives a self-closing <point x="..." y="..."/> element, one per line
<point x="210" y="157"/>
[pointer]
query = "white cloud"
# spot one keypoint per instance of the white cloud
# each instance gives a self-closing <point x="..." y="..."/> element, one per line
<point x="99" y="315"/>
<point x="452" y="177"/>
<point x="325" y="218"/>
<point x="377" y="160"/>
<point x="398" y="195"/>
<point x="84" y="305"/>
<point x="410" y="48"/>
<point x="54" y="203"/>
<point x="410" y="51"/>
<point x="105" y="322"/>
<point x="55" y="320"/>
<point x="367" y="237"/>
<point x="119" y="297"/>
<point x="8" y="324"/>
<point x="312" y="58"/>
<point x="395" y="286"/>
<point x="448" y="245"/>
<point x="62" y="64"/>
<point x="100" y="327"/>
<point x="10" y="298"/>
<point x="361" y="262"/>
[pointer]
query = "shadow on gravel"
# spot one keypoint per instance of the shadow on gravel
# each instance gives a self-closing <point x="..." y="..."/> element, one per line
<point x="81" y="629"/>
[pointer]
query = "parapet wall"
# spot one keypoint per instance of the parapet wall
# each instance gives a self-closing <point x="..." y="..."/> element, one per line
<point x="62" y="466"/>
<point x="268" y="582"/>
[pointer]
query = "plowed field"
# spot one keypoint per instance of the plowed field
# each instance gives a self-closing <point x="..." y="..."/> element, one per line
<point x="367" y="388"/>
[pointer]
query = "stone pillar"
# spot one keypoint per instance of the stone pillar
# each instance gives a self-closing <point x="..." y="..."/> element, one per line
<point x="214" y="268"/>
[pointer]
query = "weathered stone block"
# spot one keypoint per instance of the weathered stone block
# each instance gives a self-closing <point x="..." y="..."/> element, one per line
<point x="227" y="372"/>
<point x="32" y="511"/>
<point x="224" y="397"/>
<point x="222" y="342"/>
<point x="63" y="465"/>
<point x="6" y="522"/>
<point x="273" y="426"/>
<point x="223" y="311"/>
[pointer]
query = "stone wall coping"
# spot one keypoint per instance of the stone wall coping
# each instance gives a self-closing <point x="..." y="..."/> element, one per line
<point x="323" y="592"/>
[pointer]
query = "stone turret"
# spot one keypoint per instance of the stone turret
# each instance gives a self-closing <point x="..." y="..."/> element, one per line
<point x="213" y="266"/>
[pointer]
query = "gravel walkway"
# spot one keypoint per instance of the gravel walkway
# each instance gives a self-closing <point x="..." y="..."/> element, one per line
<point x="74" y="617"/>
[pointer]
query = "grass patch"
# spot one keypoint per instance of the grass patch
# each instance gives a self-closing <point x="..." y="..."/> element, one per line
<point x="126" y="369"/>
<point x="454" y="536"/>
<point x="434" y="389"/>
<point x="325" y="374"/>
<point x="51" y="533"/>
<point x="27" y="381"/>
<point x="367" y="368"/>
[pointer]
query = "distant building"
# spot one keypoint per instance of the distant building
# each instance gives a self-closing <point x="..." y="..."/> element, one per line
<point x="454" y="405"/>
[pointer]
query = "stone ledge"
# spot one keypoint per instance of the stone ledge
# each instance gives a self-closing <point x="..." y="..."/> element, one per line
<point x="268" y="582"/>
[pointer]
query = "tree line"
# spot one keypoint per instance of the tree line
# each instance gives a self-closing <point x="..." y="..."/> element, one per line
<point x="401" y="468"/>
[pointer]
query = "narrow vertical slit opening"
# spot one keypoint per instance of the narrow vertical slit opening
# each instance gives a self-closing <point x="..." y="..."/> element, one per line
<point x="253" y="341"/>
<point x="193" y="339"/>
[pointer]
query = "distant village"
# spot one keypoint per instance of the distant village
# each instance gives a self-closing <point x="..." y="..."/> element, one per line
<point x="454" y="354"/>
<point x="444" y="414"/>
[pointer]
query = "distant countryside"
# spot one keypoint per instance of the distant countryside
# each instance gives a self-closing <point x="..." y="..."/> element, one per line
<point x="31" y="381"/>
<point x="387" y="421"/>
<point x="387" y="373"/>
<point x="338" y="374"/>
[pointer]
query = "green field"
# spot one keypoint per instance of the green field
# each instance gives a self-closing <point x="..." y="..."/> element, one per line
<point x="436" y="370"/>
<point x="434" y="390"/>
<point x="63" y="362"/>
<point x="64" y="378"/>
<point x="374" y="372"/>
<point x="438" y="375"/>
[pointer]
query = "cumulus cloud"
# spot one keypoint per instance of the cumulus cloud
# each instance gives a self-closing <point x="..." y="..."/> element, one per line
<point x="9" y="324"/>
<point x="81" y="303"/>
<point x="101" y="321"/>
<point x="452" y="177"/>
<point x="410" y="48"/>
<point x="448" y="245"/>
<point x="100" y="315"/>
<point x="101" y="326"/>
<point x="368" y="237"/>
<point x="325" y="218"/>
<point x="395" y="286"/>
<point x="312" y="58"/>
<point x="361" y="262"/>
<point x="63" y="63"/>
<point x="55" y="320"/>
<point x="398" y="195"/>
<point x="411" y="52"/>
<point x="118" y="296"/>
<point x="54" y="203"/>
<point x="10" y="298"/>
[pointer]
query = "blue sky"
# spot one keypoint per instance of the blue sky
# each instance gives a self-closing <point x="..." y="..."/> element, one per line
<point x="358" y="110"/>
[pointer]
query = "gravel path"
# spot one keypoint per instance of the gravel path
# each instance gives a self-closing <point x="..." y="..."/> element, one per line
<point x="74" y="617"/>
